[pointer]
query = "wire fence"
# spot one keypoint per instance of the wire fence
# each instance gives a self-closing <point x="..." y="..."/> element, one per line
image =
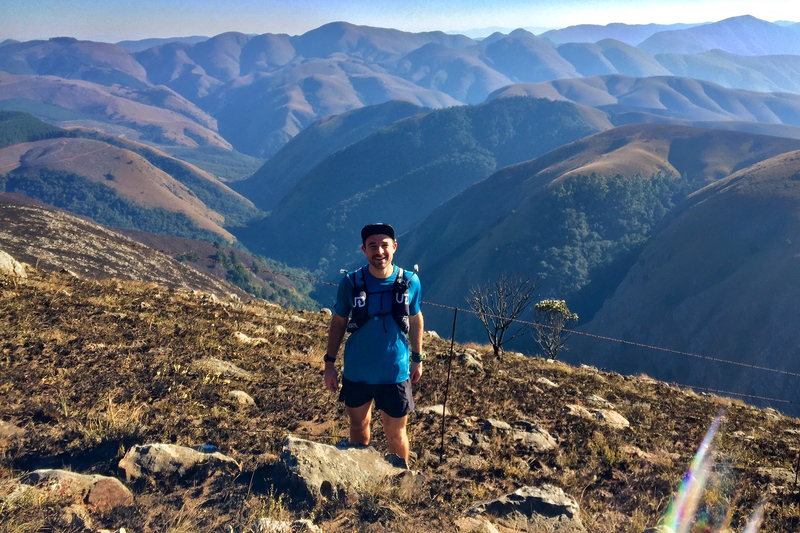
<point x="194" y="257"/>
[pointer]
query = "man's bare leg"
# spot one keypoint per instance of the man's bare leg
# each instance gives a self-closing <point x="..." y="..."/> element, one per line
<point x="396" y="436"/>
<point x="360" y="418"/>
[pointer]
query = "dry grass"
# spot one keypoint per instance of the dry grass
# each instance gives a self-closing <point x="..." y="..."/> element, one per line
<point x="88" y="371"/>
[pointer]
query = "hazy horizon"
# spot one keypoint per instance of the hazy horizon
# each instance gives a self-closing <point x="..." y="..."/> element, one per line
<point x="119" y="20"/>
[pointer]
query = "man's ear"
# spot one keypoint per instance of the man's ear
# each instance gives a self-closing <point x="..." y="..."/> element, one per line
<point x="363" y="248"/>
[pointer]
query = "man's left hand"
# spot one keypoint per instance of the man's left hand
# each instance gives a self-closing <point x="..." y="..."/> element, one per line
<point x="416" y="371"/>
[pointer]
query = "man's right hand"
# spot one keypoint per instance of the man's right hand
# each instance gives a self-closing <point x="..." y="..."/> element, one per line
<point x="331" y="377"/>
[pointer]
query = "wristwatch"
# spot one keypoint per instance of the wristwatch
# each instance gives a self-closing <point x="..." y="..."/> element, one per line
<point x="329" y="359"/>
<point x="418" y="357"/>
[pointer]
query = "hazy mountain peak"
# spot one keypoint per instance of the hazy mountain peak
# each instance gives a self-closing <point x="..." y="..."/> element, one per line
<point x="743" y="35"/>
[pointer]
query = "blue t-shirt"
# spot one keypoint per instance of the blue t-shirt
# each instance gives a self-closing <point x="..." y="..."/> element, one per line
<point x="377" y="353"/>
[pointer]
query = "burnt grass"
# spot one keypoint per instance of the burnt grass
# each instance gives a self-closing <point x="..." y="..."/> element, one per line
<point x="90" y="368"/>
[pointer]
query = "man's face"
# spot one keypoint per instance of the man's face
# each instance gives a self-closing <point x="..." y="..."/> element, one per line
<point x="379" y="250"/>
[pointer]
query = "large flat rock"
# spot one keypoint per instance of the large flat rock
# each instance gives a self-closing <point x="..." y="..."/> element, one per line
<point x="332" y="472"/>
<point x="533" y="509"/>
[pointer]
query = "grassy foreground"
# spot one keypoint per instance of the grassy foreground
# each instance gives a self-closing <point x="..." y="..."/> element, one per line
<point x="90" y="368"/>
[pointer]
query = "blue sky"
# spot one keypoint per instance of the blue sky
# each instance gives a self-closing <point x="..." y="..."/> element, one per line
<point x="115" y="20"/>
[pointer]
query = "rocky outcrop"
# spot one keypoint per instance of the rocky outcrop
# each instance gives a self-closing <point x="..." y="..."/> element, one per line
<point x="169" y="460"/>
<point x="55" y="240"/>
<point x="332" y="472"/>
<point x="546" y="508"/>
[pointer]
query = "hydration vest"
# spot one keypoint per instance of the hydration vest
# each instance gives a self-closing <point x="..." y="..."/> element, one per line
<point x="400" y="309"/>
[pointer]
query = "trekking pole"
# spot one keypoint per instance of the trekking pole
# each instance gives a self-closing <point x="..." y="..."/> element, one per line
<point x="796" y="468"/>
<point x="447" y="386"/>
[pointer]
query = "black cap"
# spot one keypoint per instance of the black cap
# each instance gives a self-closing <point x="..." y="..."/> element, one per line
<point x="376" y="229"/>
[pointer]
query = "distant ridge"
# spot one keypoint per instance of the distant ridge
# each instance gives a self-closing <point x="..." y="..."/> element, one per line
<point x="631" y="34"/>
<point x="270" y="183"/>
<point x="628" y="99"/>
<point x="144" y="44"/>
<point x="745" y="35"/>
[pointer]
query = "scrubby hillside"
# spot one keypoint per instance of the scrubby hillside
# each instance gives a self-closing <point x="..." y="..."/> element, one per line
<point x="719" y="279"/>
<point x="42" y="235"/>
<point x="92" y="368"/>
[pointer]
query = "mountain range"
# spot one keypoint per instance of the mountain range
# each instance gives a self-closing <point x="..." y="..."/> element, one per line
<point x="575" y="217"/>
<point x="404" y="171"/>
<point x="256" y="92"/>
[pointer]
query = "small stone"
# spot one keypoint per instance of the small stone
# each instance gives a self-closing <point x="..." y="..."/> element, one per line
<point x="210" y="298"/>
<point x="300" y="320"/>
<point x="103" y="492"/>
<point x="599" y="401"/>
<point x="108" y="494"/>
<point x="213" y="365"/>
<point x="172" y="460"/>
<point x="244" y="339"/>
<point x="472" y="462"/>
<point x="433" y="334"/>
<point x="463" y="439"/>
<point x="545" y="381"/>
<point x="537" y="440"/>
<point x="326" y="312"/>
<point x="605" y="416"/>
<point x="576" y="410"/>
<point x="280" y="330"/>
<point x="474" y="525"/>
<point x="612" y="418"/>
<point x="8" y="430"/>
<point x="779" y="476"/>
<point x="270" y="525"/>
<point x="242" y="398"/>
<point x="434" y="410"/>
<point x="76" y="517"/>
<point x="469" y="361"/>
<point x="498" y="425"/>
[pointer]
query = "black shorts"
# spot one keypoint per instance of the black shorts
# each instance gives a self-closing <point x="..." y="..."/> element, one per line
<point x="394" y="399"/>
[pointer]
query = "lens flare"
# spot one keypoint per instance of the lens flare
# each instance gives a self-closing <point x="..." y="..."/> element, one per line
<point x="681" y="513"/>
<point x="754" y="523"/>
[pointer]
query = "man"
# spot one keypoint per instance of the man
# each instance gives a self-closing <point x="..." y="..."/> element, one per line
<point x="383" y="355"/>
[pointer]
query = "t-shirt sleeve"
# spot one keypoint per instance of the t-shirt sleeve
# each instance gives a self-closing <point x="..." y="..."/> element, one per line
<point x="343" y="297"/>
<point x="415" y="295"/>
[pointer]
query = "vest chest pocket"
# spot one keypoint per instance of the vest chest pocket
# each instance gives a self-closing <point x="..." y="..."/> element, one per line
<point x="360" y="300"/>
